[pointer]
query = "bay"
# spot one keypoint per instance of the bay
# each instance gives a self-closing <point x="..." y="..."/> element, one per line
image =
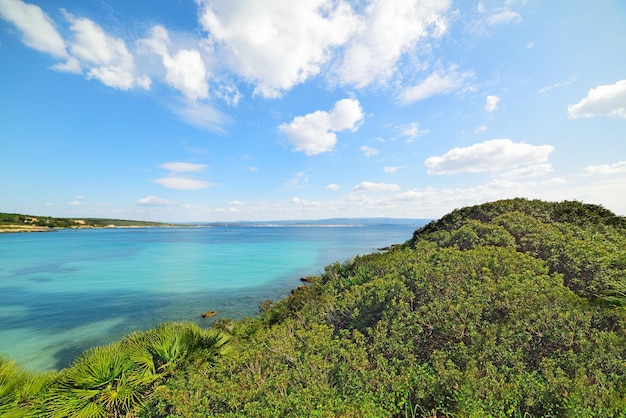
<point x="65" y="291"/>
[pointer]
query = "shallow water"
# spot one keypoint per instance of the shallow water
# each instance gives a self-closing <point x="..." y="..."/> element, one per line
<point x="64" y="291"/>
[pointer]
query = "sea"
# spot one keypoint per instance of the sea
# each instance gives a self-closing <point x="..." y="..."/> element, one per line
<point x="65" y="291"/>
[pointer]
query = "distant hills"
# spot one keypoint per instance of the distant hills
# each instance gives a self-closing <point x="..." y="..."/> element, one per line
<point x="327" y="222"/>
<point x="15" y="222"/>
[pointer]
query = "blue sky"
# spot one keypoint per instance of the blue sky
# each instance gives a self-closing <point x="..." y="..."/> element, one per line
<point x="245" y="110"/>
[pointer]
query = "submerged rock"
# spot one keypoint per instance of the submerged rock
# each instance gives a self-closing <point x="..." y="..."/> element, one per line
<point x="209" y="314"/>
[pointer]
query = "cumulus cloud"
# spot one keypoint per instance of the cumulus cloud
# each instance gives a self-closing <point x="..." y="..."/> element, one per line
<point x="369" y="151"/>
<point x="280" y="44"/>
<point x="105" y="57"/>
<point x="616" y="168"/>
<point x="333" y="186"/>
<point x="37" y="29"/>
<point x="276" y="44"/>
<point x="605" y="100"/>
<point x="387" y="30"/>
<point x="440" y="82"/>
<point x="185" y="69"/>
<point x="314" y="133"/>
<point x="368" y="186"/>
<point x="155" y="201"/>
<point x="491" y="104"/>
<point x="102" y="56"/>
<point x="493" y="155"/>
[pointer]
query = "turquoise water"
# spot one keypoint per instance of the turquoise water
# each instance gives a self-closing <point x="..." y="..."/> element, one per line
<point x="64" y="291"/>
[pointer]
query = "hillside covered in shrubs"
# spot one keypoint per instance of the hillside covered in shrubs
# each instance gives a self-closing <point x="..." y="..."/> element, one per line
<point x="515" y="308"/>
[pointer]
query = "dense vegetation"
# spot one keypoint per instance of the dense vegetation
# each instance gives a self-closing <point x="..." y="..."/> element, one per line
<point x="16" y="219"/>
<point x="110" y="381"/>
<point x="512" y="308"/>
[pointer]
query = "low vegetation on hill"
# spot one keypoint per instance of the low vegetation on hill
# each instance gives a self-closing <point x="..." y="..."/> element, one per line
<point x="515" y="308"/>
<point x="18" y="222"/>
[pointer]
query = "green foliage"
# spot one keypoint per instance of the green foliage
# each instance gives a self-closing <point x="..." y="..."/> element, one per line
<point x="15" y="219"/>
<point x="19" y="389"/>
<point x="505" y="309"/>
<point x="114" y="380"/>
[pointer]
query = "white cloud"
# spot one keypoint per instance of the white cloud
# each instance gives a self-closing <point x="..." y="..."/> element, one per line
<point x="183" y="183"/>
<point x="605" y="100"/>
<point x="305" y="203"/>
<point x="504" y="16"/>
<point x="368" y="186"/>
<point x="279" y="44"/>
<point x="392" y="169"/>
<point x="369" y="151"/>
<point x="298" y="179"/>
<point x="235" y="203"/>
<point x="479" y="129"/>
<point x="180" y="167"/>
<point x="185" y="69"/>
<point x="177" y="178"/>
<point x="387" y="30"/>
<point x="201" y="115"/>
<point x="411" y="131"/>
<point x="106" y="57"/>
<point x="616" y="168"/>
<point x="530" y="171"/>
<point x="333" y="186"/>
<point x="491" y="104"/>
<point x="547" y="89"/>
<point x="314" y="133"/>
<point x="36" y="27"/>
<point x="439" y="82"/>
<point x="493" y="155"/>
<point x="155" y="201"/>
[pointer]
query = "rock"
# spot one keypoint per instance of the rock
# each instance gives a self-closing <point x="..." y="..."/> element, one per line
<point x="209" y="314"/>
<point x="309" y="279"/>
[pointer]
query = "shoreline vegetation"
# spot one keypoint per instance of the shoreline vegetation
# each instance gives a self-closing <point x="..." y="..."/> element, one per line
<point x="514" y="308"/>
<point x="14" y="222"/>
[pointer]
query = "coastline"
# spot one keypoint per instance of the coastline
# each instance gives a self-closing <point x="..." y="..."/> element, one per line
<point x="8" y="229"/>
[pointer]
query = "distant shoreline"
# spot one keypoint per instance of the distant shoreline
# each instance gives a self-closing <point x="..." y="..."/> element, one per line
<point x="9" y="229"/>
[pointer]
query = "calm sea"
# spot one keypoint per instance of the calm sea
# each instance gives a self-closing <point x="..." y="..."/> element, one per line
<point x="64" y="291"/>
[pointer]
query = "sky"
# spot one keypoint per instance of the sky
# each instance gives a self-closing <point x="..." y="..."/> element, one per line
<point x="225" y="110"/>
